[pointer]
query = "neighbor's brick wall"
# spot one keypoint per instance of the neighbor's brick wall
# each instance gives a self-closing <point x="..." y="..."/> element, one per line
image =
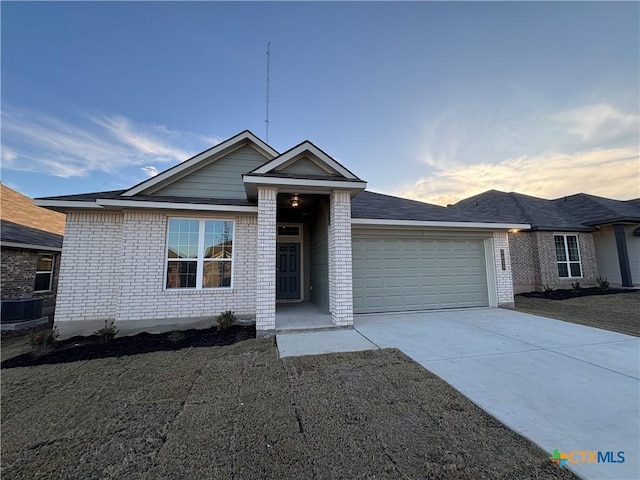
<point x="18" y="275"/>
<point x="524" y="267"/>
<point x="504" y="280"/>
<point x="340" y="259"/>
<point x="265" y="267"/>
<point x="90" y="270"/>
<point x="546" y="253"/>
<point x="142" y="293"/>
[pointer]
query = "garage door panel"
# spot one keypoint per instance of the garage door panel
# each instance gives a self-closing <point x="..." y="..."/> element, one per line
<point x="400" y="274"/>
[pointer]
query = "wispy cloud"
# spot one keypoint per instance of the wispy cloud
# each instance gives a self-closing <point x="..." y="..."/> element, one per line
<point x="606" y="172"/>
<point x="36" y="142"/>
<point x="150" y="170"/>
<point x="599" y="122"/>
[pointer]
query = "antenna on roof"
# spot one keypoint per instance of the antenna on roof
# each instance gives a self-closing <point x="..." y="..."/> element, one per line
<point x="267" y="117"/>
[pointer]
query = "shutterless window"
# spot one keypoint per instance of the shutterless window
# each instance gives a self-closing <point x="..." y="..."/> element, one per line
<point x="568" y="256"/>
<point x="44" y="272"/>
<point x="199" y="253"/>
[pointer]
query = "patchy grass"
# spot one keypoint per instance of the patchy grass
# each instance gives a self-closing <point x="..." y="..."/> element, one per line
<point x="618" y="313"/>
<point x="240" y="412"/>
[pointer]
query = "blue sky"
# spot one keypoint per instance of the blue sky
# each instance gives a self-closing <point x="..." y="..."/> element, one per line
<point x="434" y="101"/>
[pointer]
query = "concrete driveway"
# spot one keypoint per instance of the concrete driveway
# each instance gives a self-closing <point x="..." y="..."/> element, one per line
<point x="564" y="386"/>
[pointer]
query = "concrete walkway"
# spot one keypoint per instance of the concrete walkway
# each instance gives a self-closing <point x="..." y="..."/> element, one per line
<point x="315" y="343"/>
<point x="562" y="385"/>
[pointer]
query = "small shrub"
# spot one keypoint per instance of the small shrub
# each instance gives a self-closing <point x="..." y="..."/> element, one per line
<point x="547" y="290"/>
<point x="225" y="320"/>
<point x="108" y="332"/>
<point x="45" y="342"/>
<point x="603" y="284"/>
<point x="575" y="286"/>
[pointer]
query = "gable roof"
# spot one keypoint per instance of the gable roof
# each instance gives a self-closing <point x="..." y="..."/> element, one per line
<point x="201" y="159"/>
<point x="323" y="160"/>
<point x="578" y="212"/>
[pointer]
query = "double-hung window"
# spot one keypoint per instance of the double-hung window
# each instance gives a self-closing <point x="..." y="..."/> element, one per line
<point x="199" y="253"/>
<point x="568" y="256"/>
<point x="44" y="272"/>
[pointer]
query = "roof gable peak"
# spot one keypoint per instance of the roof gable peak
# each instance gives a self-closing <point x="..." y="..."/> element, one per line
<point x="203" y="158"/>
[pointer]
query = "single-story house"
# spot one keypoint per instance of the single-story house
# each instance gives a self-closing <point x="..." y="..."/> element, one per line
<point x="575" y="238"/>
<point x="31" y="242"/>
<point x="243" y="227"/>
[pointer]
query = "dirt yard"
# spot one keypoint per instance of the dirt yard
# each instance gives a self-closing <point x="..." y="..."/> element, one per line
<point x="240" y="412"/>
<point x="618" y="313"/>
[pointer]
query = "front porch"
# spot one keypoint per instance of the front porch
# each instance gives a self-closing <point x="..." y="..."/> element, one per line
<point x="303" y="317"/>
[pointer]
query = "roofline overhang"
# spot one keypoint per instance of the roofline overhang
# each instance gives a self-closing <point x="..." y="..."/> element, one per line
<point x="611" y="221"/>
<point x="176" y="206"/>
<point x="28" y="246"/>
<point x="63" y="205"/>
<point x="536" y="228"/>
<point x="438" y="224"/>
<point x="299" y="185"/>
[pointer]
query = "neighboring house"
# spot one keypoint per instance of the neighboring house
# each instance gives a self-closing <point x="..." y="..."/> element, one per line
<point x="31" y="242"/>
<point x="242" y="227"/>
<point x="574" y="238"/>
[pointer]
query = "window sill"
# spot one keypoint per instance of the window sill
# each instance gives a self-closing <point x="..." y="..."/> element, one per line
<point x="196" y="291"/>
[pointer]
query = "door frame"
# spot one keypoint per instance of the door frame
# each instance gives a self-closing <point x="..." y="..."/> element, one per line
<point x="294" y="239"/>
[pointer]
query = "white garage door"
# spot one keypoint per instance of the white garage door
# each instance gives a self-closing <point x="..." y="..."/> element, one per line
<point x="404" y="273"/>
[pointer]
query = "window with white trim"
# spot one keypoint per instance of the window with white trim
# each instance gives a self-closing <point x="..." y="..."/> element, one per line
<point x="199" y="253"/>
<point x="44" y="272"/>
<point x="568" y="256"/>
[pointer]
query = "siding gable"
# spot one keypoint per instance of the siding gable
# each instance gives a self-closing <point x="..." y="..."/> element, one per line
<point x="219" y="179"/>
<point x="305" y="166"/>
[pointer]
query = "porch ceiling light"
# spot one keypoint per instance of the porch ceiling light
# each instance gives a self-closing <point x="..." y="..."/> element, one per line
<point x="295" y="201"/>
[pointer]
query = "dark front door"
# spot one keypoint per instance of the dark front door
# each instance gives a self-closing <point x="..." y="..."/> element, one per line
<point x="288" y="271"/>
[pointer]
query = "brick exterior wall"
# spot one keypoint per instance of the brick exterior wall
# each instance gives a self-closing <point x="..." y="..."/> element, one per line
<point x="504" y="280"/>
<point x="118" y="261"/>
<point x="90" y="268"/>
<point x="340" y="260"/>
<point x="265" y="266"/>
<point x="18" y="275"/>
<point x="534" y="261"/>
<point x="524" y="265"/>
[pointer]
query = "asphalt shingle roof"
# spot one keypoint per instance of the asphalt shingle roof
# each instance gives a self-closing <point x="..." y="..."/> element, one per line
<point x="578" y="212"/>
<point x="593" y="210"/>
<point x="386" y="207"/>
<point x="14" y="233"/>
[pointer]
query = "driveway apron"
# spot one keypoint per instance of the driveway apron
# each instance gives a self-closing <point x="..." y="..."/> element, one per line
<point x="566" y="387"/>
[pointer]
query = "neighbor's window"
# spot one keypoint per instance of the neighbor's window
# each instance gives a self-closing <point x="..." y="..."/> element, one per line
<point x="199" y="253"/>
<point x="44" y="272"/>
<point x="568" y="256"/>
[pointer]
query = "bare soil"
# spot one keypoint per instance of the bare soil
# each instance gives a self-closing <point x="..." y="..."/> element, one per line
<point x="240" y="412"/>
<point x="618" y="313"/>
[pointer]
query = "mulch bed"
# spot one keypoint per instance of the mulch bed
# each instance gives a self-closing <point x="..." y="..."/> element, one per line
<point x="583" y="292"/>
<point x="88" y="348"/>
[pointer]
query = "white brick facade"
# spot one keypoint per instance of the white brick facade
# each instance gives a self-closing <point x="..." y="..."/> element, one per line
<point x="340" y="262"/>
<point x="265" y="296"/>
<point x="504" y="281"/>
<point x="113" y="268"/>
<point x="90" y="269"/>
